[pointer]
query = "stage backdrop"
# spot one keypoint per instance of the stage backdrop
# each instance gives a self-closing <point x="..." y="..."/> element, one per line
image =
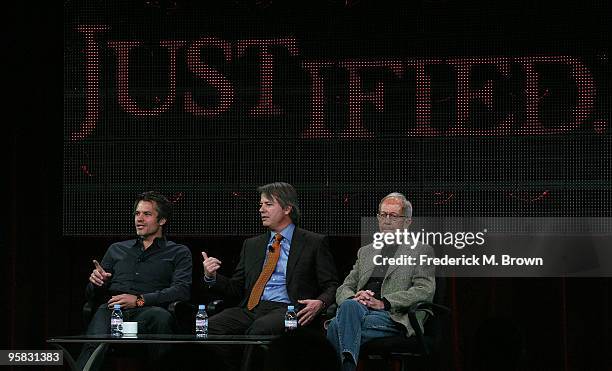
<point x="468" y="110"/>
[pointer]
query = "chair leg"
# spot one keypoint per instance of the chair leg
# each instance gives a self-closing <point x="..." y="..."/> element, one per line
<point x="100" y="350"/>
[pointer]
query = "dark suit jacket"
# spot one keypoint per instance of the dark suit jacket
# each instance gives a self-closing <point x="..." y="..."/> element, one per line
<point x="311" y="272"/>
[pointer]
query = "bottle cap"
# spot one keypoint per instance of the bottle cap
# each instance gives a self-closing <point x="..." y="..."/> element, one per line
<point x="201" y="306"/>
<point x="290" y="307"/>
<point x="117" y="306"/>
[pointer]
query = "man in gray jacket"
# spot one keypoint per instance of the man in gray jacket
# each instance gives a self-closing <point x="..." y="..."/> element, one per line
<point x="374" y="296"/>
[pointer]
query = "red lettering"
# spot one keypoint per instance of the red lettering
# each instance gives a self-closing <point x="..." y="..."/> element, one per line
<point x="265" y="105"/>
<point x="92" y="81"/>
<point x="465" y="95"/>
<point x="210" y="75"/>
<point x="586" y="94"/>
<point x="423" y="97"/>
<point x="122" y="48"/>
<point x="317" y="128"/>
<point x="357" y="96"/>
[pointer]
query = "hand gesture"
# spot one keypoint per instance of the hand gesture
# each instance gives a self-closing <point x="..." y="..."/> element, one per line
<point x="99" y="276"/>
<point x="210" y="265"/>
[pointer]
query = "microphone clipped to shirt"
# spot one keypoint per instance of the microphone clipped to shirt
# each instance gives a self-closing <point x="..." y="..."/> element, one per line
<point x="275" y="240"/>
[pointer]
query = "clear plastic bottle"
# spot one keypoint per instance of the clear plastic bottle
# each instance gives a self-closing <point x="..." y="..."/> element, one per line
<point x="116" y="322"/>
<point x="291" y="319"/>
<point x="201" y="322"/>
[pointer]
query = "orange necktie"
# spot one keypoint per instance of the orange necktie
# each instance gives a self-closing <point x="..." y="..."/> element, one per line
<point x="266" y="272"/>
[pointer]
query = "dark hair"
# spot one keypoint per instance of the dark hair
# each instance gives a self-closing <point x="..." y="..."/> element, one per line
<point x="162" y="205"/>
<point x="286" y="195"/>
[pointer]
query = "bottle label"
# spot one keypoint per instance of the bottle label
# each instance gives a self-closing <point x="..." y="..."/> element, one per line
<point x="291" y="324"/>
<point x="200" y="322"/>
<point x="116" y="321"/>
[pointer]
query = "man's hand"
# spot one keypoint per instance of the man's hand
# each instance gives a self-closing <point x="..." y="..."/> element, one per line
<point x="125" y="300"/>
<point x="363" y="296"/>
<point x="309" y="312"/>
<point x="359" y="296"/>
<point x="210" y="266"/>
<point x="99" y="276"/>
<point x="367" y="298"/>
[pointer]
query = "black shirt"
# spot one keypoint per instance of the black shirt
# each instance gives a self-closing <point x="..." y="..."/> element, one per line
<point x="374" y="284"/>
<point x="161" y="273"/>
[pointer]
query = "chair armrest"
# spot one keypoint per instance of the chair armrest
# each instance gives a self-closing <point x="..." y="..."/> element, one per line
<point x="181" y="308"/>
<point x="94" y="298"/>
<point x="329" y="312"/>
<point x="215" y="306"/>
<point x="87" y="313"/>
<point x="184" y="315"/>
<point x="424" y="306"/>
<point x="428" y="306"/>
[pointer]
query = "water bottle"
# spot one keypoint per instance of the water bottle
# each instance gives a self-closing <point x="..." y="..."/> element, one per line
<point x="117" y="322"/>
<point x="201" y="322"/>
<point x="291" y="320"/>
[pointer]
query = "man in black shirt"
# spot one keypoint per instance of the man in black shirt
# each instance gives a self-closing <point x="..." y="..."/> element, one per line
<point x="142" y="275"/>
<point x="373" y="298"/>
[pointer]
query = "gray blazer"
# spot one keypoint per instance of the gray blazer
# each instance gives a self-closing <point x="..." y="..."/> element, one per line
<point x="402" y="286"/>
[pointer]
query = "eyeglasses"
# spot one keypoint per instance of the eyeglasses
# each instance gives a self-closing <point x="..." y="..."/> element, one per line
<point x="392" y="217"/>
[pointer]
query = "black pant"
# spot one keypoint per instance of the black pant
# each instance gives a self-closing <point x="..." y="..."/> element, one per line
<point x="267" y="318"/>
<point x="151" y="320"/>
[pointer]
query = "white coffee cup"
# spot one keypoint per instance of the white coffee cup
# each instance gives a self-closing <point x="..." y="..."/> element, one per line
<point x="130" y="329"/>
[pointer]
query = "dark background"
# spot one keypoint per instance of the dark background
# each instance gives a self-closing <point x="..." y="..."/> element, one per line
<point x="562" y="323"/>
<point x="211" y="166"/>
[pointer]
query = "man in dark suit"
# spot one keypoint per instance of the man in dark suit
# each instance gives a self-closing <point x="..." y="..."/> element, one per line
<point x="286" y="265"/>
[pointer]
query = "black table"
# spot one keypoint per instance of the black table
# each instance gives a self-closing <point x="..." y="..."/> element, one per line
<point x="104" y="341"/>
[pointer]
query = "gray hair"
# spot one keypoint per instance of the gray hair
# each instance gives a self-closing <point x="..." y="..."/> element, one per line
<point x="406" y="205"/>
